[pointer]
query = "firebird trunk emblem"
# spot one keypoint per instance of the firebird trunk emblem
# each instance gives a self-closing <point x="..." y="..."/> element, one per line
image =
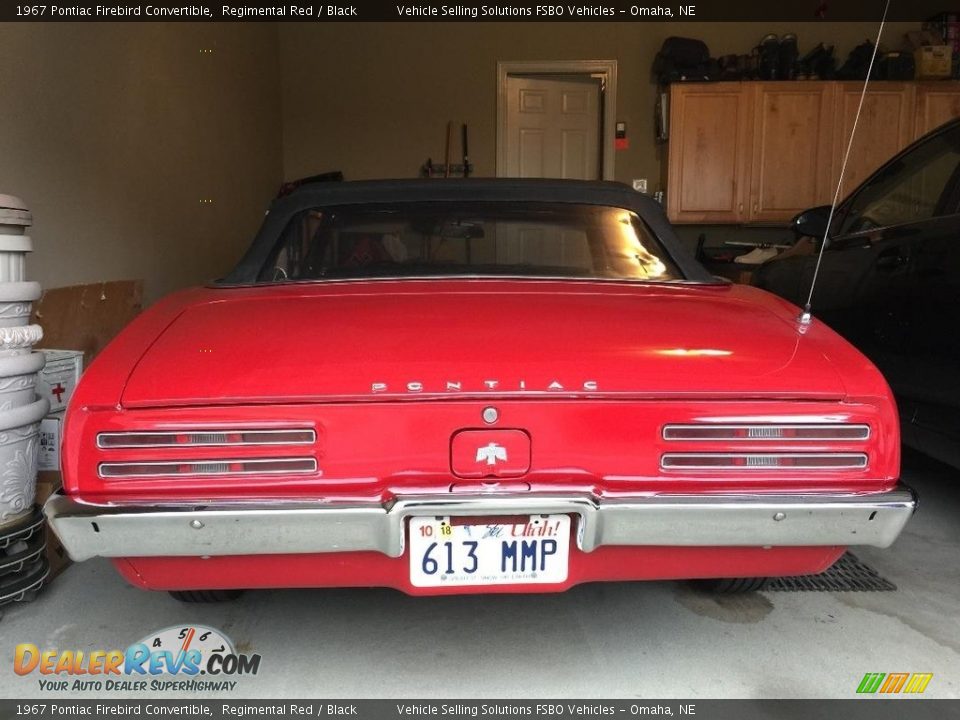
<point x="491" y="454"/>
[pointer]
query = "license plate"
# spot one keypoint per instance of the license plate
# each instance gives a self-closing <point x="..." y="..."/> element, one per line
<point x="489" y="551"/>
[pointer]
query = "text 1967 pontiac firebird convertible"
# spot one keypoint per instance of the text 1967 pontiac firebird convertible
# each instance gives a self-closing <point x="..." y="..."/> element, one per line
<point x="474" y="386"/>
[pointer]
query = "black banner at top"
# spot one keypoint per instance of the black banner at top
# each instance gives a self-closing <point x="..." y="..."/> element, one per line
<point x="490" y="11"/>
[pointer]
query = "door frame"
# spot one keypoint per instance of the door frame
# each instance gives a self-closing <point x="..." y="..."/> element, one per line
<point x="606" y="70"/>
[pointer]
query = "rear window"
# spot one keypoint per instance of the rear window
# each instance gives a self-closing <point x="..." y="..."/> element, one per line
<point x="406" y="240"/>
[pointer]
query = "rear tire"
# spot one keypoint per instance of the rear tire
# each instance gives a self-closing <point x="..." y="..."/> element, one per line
<point x="205" y="596"/>
<point x="731" y="586"/>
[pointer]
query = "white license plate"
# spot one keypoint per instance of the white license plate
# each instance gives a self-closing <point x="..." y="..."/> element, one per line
<point x="489" y="551"/>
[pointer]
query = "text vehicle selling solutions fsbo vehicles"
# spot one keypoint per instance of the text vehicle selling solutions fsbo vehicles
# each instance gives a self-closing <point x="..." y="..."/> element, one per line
<point x="474" y="386"/>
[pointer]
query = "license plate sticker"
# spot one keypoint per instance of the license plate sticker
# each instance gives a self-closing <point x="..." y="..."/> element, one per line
<point x="511" y="550"/>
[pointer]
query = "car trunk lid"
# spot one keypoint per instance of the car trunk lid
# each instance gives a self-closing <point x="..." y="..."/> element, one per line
<point x="409" y="340"/>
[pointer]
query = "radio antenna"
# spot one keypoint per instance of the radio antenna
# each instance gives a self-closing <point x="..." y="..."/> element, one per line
<point x="806" y="316"/>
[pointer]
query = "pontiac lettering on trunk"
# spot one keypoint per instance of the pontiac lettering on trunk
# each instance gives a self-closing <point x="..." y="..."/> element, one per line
<point x="454" y="386"/>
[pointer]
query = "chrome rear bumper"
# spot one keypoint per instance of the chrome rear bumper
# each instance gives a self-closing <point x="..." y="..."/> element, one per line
<point x="281" y="527"/>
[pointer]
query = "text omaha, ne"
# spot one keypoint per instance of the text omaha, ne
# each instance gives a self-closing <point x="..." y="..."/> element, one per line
<point x="582" y="12"/>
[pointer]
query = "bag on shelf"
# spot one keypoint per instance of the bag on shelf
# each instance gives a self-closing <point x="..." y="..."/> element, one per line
<point x="684" y="59"/>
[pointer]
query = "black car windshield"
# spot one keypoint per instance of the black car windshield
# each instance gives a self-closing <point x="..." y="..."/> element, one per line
<point x="420" y="239"/>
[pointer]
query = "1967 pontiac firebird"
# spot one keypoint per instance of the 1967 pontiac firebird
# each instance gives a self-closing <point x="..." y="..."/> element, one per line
<point x="474" y="386"/>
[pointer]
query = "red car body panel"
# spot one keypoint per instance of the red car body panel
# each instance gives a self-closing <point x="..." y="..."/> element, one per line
<point x="372" y="569"/>
<point x="391" y="378"/>
<point x="371" y="443"/>
<point x="367" y="340"/>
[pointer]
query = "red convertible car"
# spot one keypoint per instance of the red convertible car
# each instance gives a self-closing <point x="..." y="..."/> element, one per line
<point x="474" y="386"/>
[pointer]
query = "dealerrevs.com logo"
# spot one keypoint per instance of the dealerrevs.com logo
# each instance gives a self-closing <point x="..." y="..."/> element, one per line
<point x="176" y="659"/>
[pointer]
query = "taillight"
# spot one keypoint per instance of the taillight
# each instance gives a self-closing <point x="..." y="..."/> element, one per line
<point x="743" y="446"/>
<point x="205" y="438"/>
<point x="749" y="433"/>
<point x="206" y="468"/>
<point x="192" y="452"/>
<point x="763" y="461"/>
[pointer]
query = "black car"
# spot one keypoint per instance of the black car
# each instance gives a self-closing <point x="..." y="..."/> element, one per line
<point x="890" y="282"/>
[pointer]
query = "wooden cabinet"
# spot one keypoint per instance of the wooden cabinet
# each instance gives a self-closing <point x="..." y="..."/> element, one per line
<point x="885" y="127"/>
<point x="761" y="152"/>
<point x="937" y="102"/>
<point x="709" y="153"/>
<point x="792" y="143"/>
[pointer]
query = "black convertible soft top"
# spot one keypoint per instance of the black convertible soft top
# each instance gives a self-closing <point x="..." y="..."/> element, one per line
<point x="611" y="194"/>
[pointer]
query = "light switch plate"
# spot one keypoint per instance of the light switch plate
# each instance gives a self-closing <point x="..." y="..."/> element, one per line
<point x="640" y="184"/>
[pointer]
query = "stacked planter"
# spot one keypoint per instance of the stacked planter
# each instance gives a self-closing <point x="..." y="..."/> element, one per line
<point x="22" y="563"/>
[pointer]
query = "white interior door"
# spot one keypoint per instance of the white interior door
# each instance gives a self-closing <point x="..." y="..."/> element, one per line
<point x="553" y="127"/>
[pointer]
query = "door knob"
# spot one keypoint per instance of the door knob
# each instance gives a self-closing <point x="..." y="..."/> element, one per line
<point x="890" y="259"/>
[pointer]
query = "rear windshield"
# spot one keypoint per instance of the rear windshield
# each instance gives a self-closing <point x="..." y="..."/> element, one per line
<point x="404" y="240"/>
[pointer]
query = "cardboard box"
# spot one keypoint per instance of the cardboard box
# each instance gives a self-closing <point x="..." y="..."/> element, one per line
<point x="57" y="555"/>
<point x="47" y="484"/>
<point x="59" y="377"/>
<point x="51" y="432"/>
<point x="933" y="62"/>
<point x="87" y="317"/>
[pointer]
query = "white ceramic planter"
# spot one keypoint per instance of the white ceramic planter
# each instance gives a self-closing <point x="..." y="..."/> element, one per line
<point x="19" y="428"/>
<point x="14" y="216"/>
<point x="18" y="379"/>
<point x="15" y="294"/>
<point x="16" y="302"/>
<point x="19" y="340"/>
<point x="20" y="408"/>
<point x="14" y="243"/>
<point x="13" y="257"/>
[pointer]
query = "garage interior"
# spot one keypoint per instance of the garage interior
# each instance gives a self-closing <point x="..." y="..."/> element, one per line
<point x="151" y="151"/>
<point x="179" y="135"/>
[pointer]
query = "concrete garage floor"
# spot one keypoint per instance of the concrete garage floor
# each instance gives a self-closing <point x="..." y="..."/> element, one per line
<point x="655" y="640"/>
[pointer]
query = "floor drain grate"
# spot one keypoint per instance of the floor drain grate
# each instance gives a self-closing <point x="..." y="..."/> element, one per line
<point x="848" y="574"/>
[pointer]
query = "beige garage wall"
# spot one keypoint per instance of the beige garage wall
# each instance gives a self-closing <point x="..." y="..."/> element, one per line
<point x="114" y="133"/>
<point x="373" y="99"/>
